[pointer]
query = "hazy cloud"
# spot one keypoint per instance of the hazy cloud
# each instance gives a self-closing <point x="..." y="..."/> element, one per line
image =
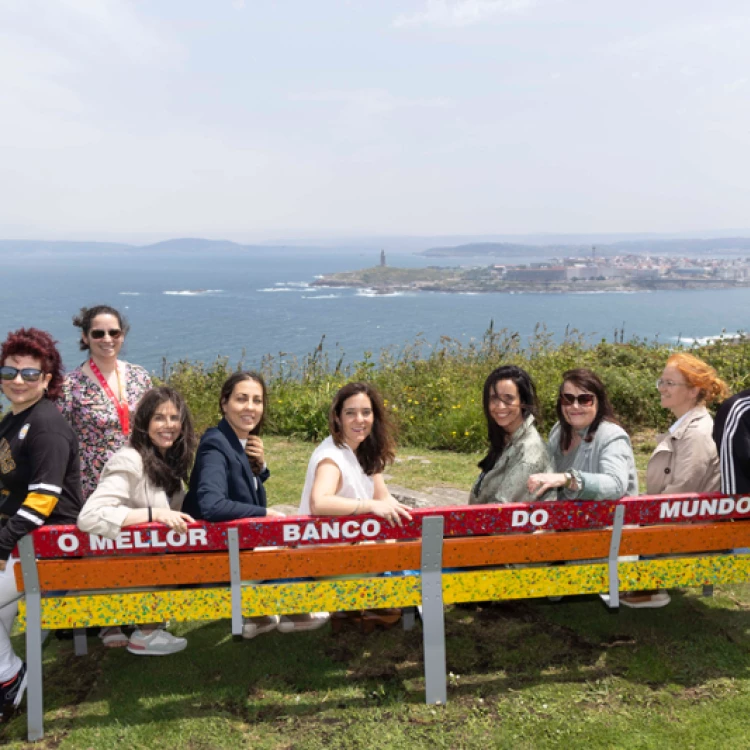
<point x="457" y="13"/>
<point x="372" y="101"/>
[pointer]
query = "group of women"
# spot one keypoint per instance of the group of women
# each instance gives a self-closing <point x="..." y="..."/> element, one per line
<point x="103" y="448"/>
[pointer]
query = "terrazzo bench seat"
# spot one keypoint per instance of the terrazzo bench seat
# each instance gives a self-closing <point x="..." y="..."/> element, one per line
<point x="451" y="555"/>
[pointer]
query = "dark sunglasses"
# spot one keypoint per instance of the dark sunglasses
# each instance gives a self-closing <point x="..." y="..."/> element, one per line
<point x="585" y="399"/>
<point x="28" y="374"/>
<point x="97" y="333"/>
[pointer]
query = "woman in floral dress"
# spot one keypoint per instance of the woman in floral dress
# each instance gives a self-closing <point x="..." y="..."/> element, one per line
<point x="100" y="396"/>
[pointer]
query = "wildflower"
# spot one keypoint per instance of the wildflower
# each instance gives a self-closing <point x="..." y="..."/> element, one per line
<point x="453" y="433"/>
<point x="467" y="433"/>
<point x="416" y="403"/>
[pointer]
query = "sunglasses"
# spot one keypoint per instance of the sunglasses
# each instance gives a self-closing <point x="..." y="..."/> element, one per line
<point x="28" y="374"/>
<point x="97" y="333"/>
<point x="585" y="399"/>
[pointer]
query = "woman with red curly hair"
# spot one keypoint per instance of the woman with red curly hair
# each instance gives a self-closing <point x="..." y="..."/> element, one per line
<point x="40" y="477"/>
<point x="685" y="458"/>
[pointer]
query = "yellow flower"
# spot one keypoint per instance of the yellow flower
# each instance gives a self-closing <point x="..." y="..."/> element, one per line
<point x="416" y="403"/>
<point x="453" y="433"/>
<point x="467" y="433"/>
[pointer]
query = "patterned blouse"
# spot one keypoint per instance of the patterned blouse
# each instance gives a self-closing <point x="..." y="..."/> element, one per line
<point x="93" y="417"/>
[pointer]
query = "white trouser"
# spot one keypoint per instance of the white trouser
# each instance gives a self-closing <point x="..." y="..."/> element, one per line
<point x="9" y="596"/>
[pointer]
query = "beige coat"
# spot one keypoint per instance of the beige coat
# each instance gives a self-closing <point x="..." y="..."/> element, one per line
<point x="686" y="460"/>
<point x="122" y="487"/>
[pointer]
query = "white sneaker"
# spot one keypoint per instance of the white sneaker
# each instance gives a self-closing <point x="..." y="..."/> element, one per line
<point x="258" y="625"/>
<point x="635" y="600"/>
<point x="157" y="643"/>
<point x="302" y="623"/>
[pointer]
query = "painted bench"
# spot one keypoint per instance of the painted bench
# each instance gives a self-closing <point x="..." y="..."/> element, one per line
<point x="481" y="553"/>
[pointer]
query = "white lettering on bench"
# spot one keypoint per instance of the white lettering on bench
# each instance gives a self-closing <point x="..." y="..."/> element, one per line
<point x="702" y="508"/>
<point x="175" y="539"/>
<point x="522" y="517"/>
<point x="198" y="536"/>
<point x="68" y="542"/>
<point x="329" y="530"/>
<point x="99" y="542"/>
<point x="124" y="540"/>
<point x="139" y="542"/>
<point x="335" y="530"/>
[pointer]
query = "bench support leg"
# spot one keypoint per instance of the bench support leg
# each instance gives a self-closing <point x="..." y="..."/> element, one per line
<point x="708" y="590"/>
<point x="34" y="696"/>
<point x="80" y="642"/>
<point x="433" y="615"/>
<point x="614" y="551"/>
<point x="233" y="544"/>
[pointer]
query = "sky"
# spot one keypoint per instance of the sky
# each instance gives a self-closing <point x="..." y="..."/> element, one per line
<point x="256" y="120"/>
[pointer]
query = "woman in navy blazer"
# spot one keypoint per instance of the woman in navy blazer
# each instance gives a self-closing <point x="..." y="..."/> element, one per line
<point x="227" y="479"/>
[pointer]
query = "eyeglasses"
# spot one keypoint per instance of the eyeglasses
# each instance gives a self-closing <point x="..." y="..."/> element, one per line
<point x="97" y="333"/>
<point x="28" y="374"/>
<point x="584" y="399"/>
<point x="660" y="383"/>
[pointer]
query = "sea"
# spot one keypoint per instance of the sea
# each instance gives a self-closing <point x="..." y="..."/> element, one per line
<point x="246" y="306"/>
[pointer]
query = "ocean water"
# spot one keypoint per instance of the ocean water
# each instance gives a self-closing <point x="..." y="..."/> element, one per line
<point x="199" y="308"/>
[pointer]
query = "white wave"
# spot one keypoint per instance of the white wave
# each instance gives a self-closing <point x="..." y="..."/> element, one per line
<point x="703" y="340"/>
<point x="129" y="294"/>
<point x="375" y="293"/>
<point x="278" y="289"/>
<point x="193" y="292"/>
<point x="300" y="284"/>
<point x="321" y="296"/>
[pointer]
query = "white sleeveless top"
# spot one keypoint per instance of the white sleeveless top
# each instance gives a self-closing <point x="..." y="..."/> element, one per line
<point x="355" y="484"/>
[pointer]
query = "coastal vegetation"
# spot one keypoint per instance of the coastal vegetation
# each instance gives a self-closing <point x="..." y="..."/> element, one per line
<point x="433" y="391"/>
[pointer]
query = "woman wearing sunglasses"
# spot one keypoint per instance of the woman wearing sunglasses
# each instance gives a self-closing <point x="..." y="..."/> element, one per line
<point x="99" y="396"/>
<point x="592" y="454"/>
<point x="516" y="448"/>
<point x="40" y="479"/>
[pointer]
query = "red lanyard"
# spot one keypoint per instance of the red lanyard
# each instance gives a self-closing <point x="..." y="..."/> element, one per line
<point x="123" y="412"/>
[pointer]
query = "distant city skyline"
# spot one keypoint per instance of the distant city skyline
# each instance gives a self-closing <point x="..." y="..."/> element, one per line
<point x="260" y="122"/>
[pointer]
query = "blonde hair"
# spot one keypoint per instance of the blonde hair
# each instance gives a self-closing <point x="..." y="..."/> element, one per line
<point x="699" y="374"/>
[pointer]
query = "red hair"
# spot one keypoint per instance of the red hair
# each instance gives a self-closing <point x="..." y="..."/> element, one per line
<point x="700" y="374"/>
<point x="31" y="342"/>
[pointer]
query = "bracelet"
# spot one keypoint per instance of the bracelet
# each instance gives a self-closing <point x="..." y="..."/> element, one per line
<point x="150" y="515"/>
<point x="356" y="509"/>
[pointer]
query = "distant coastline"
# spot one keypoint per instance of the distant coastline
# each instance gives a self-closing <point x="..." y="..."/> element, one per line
<point x="385" y="280"/>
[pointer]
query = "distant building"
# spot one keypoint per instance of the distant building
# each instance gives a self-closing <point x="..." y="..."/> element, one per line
<point x="382" y="258"/>
<point x="536" y="275"/>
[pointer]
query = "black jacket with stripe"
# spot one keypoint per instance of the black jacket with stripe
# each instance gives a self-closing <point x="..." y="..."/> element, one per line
<point x="40" y="474"/>
<point x="732" y="437"/>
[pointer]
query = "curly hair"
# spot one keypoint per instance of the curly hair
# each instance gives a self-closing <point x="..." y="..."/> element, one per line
<point x="496" y="434"/>
<point x="589" y="382"/>
<point x="379" y="448"/>
<point x="700" y="374"/>
<point x="32" y="342"/>
<point x="85" y="319"/>
<point x="166" y="471"/>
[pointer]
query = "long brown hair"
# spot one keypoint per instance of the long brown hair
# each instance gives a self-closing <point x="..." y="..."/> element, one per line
<point x="169" y="470"/>
<point x="379" y="448"/>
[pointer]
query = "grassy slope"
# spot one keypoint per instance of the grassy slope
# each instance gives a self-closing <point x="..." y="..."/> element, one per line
<point x="523" y="674"/>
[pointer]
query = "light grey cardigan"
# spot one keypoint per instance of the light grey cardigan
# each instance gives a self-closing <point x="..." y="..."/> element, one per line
<point x="605" y="466"/>
<point x="505" y="482"/>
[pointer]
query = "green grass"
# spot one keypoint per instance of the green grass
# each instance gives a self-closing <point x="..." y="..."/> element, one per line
<point x="522" y="674"/>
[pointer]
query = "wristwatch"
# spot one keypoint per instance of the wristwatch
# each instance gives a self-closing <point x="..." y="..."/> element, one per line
<point x="569" y="479"/>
